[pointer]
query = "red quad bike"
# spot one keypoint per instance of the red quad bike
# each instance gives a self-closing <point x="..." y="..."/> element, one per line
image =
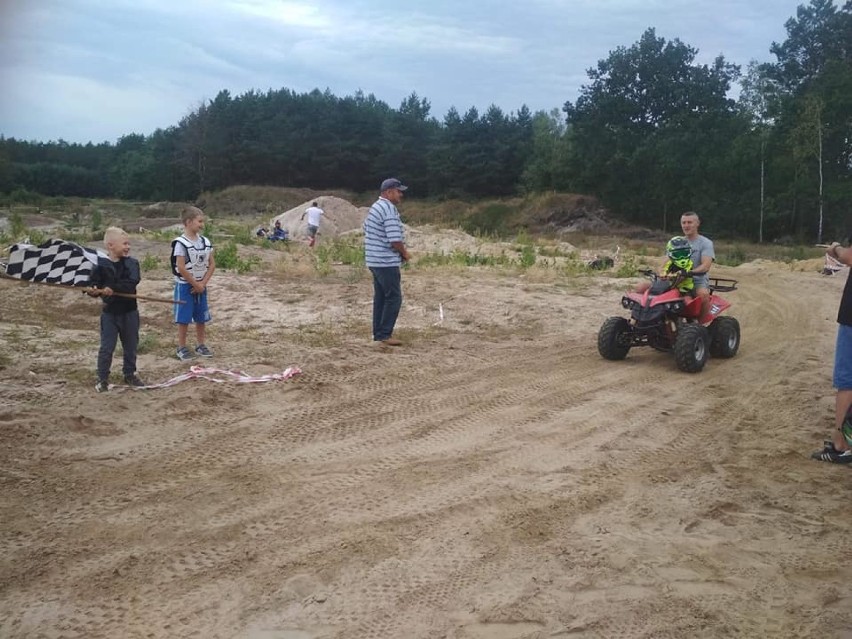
<point x="665" y="319"/>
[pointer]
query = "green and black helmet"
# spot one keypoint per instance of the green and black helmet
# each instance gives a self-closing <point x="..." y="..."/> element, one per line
<point x="678" y="248"/>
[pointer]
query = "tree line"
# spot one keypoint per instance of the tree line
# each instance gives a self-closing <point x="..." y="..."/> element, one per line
<point x="652" y="133"/>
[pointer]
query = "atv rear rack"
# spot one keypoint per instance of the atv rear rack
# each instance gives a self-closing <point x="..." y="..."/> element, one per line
<point x="721" y="284"/>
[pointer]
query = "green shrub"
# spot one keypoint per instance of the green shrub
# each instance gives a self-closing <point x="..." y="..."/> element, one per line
<point x="227" y="258"/>
<point x="341" y="251"/>
<point x="97" y="220"/>
<point x="23" y="196"/>
<point x="150" y="262"/>
<point x="574" y="266"/>
<point x="527" y="256"/>
<point x="37" y="237"/>
<point x="463" y="258"/>
<point x="17" y="228"/>
<point x="626" y="268"/>
<point x="490" y="219"/>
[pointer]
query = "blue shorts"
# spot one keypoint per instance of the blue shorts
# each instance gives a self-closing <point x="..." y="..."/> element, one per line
<point x="194" y="309"/>
<point x="312" y="230"/>
<point x="843" y="358"/>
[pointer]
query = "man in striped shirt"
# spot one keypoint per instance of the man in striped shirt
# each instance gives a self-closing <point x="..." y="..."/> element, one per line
<point x="385" y="251"/>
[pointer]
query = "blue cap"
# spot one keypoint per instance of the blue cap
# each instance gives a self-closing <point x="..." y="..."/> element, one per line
<point x="393" y="183"/>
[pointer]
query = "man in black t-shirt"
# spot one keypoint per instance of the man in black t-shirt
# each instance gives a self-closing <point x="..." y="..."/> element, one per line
<point x="839" y="449"/>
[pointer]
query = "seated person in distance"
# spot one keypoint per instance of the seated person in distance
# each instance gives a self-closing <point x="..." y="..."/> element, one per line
<point x="278" y="233"/>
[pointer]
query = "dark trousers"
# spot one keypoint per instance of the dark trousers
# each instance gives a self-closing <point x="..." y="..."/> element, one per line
<point x="114" y="326"/>
<point x="387" y="300"/>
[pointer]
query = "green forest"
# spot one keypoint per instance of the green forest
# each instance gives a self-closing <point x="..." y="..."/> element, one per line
<point x="652" y="133"/>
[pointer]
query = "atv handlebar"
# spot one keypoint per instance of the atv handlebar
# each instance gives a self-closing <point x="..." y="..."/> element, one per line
<point x="678" y="274"/>
<point x="720" y="284"/>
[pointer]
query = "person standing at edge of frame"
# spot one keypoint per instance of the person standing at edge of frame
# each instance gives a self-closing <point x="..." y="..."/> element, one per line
<point x="839" y="449"/>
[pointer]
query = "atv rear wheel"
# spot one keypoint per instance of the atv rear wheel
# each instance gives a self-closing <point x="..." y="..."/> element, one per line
<point x="691" y="348"/>
<point x="614" y="338"/>
<point x="724" y="337"/>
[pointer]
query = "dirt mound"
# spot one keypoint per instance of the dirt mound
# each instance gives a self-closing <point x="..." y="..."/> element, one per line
<point x="260" y="201"/>
<point x="578" y="213"/>
<point x="571" y="213"/>
<point x="432" y="239"/>
<point x="340" y="216"/>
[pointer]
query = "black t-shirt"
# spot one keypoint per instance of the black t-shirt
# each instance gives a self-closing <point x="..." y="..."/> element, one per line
<point x="844" y="315"/>
<point x="122" y="277"/>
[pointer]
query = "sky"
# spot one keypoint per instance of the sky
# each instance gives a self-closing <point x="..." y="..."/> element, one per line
<point x="95" y="70"/>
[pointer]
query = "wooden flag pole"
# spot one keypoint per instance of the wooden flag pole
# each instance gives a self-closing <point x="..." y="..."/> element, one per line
<point x="88" y="289"/>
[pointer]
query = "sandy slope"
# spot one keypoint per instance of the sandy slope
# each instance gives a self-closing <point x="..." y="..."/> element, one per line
<point x="494" y="478"/>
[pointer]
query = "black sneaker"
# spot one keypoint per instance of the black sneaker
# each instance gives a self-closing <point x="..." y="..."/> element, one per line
<point x="102" y="386"/>
<point x="203" y="351"/>
<point x="834" y="456"/>
<point x="134" y="381"/>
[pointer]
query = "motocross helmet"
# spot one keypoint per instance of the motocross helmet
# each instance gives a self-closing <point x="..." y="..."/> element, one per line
<point x="678" y="250"/>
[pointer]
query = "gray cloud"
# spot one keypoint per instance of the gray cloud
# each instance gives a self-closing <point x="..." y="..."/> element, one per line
<point x="93" y="70"/>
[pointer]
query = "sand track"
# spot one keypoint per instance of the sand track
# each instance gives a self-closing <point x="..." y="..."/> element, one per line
<point x="492" y="478"/>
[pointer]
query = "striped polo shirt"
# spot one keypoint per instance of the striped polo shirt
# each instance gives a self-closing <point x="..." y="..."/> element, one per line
<point x="382" y="227"/>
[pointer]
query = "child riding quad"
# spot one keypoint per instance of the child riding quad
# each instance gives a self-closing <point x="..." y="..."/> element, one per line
<point x="665" y="316"/>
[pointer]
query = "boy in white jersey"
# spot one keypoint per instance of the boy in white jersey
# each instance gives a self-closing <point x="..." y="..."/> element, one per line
<point x="193" y="266"/>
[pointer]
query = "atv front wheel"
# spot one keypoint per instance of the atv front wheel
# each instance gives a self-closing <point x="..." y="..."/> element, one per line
<point x="614" y="338"/>
<point x="724" y="337"/>
<point x="691" y="348"/>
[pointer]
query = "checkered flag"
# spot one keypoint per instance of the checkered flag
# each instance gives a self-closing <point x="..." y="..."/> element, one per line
<point x="54" y="262"/>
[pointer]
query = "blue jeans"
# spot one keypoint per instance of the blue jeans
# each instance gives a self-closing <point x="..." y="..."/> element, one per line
<point x="843" y="358"/>
<point x="387" y="300"/>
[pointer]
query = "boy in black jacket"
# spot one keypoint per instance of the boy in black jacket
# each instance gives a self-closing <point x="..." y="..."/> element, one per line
<point x="118" y="273"/>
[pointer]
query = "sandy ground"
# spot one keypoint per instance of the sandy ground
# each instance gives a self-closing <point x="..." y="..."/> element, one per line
<point x="493" y="478"/>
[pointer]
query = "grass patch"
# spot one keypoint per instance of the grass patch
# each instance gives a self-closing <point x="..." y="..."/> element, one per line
<point x="733" y="256"/>
<point x="492" y="218"/>
<point x="341" y="251"/>
<point x="148" y="343"/>
<point x="458" y="257"/>
<point x="322" y="334"/>
<point x="228" y="258"/>
<point x="150" y="262"/>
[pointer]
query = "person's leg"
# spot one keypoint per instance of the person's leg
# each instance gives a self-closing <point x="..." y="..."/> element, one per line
<point x="843" y="383"/>
<point x="201" y="317"/>
<point x="128" y="331"/>
<point x="109" y="335"/>
<point x="378" y="302"/>
<point x="184" y="310"/>
<point x="182" y="331"/>
<point x="842" y="402"/>
<point x="389" y="281"/>
<point x="704" y="294"/>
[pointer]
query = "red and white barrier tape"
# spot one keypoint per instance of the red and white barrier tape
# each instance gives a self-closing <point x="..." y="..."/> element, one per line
<point x="220" y="376"/>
